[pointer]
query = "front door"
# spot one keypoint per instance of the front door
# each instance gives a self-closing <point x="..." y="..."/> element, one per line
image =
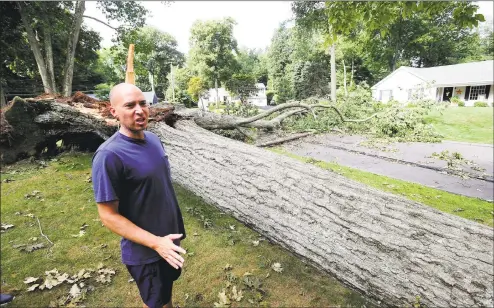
<point x="447" y="94"/>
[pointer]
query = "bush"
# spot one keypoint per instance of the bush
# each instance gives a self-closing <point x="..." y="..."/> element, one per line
<point x="480" y="104"/>
<point x="103" y="91"/>
<point x="457" y="101"/>
<point x="269" y="96"/>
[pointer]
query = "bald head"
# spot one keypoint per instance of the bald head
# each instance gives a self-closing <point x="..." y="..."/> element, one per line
<point x="122" y="90"/>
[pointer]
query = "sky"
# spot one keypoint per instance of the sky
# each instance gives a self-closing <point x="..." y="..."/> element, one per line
<point x="256" y="20"/>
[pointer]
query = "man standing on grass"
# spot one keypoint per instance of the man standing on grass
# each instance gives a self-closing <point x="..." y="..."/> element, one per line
<point x="135" y="198"/>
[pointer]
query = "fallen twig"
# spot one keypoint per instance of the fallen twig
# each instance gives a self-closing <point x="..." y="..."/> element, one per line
<point x="41" y="231"/>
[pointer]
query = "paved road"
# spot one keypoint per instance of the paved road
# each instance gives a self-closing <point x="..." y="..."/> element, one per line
<point x="408" y="161"/>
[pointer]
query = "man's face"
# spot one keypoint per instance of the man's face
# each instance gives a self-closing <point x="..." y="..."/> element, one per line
<point x="131" y="109"/>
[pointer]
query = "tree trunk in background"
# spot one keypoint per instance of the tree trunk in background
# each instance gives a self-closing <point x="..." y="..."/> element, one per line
<point x="49" y="58"/>
<point x="3" y="101"/>
<point x="344" y="78"/>
<point x="351" y="77"/>
<point x="333" y="72"/>
<point x="33" y="43"/>
<point x="217" y="97"/>
<point x="69" y="63"/>
<point x="390" y="248"/>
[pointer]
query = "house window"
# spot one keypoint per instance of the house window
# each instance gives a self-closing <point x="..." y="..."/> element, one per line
<point x="475" y="92"/>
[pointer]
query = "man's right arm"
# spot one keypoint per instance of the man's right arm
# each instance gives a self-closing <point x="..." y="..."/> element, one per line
<point x="113" y="220"/>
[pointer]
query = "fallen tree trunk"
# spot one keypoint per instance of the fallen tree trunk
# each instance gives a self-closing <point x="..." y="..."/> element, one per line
<point x="389" y="248"/>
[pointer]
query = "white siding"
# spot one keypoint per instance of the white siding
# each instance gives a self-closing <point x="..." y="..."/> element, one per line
<point x="399" y="83"/>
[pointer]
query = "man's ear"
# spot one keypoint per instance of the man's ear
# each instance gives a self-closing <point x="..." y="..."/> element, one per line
<point x="113" y="112"/>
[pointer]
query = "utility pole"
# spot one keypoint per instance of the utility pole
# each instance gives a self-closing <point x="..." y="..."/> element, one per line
<point x="172" y="81"/>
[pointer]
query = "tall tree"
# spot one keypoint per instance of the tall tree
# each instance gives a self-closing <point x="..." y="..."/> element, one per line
<point x="334" y="18"/>
<point x="212" y="48"/>
<point x="39" y="17"/>
<point x="155" y="52"/>
<point x="279" y="64"/>
<point x="20" y="65"/>
<point x="253" y="62"/>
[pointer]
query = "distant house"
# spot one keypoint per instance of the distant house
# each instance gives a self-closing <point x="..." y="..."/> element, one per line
<point x="259" y="98"/>
<point x="151" y="97"/>
<point x="469" y="82"/>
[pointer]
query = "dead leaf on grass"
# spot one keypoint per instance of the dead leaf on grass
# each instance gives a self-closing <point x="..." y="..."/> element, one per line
<point x="277" y="267"/>
<point x="31" y="280"/>
<point x="5" y="227"/>
<point x="32" y="288"/>
<point x="223" y="300"/>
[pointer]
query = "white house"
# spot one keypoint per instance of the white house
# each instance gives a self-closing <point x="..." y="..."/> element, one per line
<point x="258" y="99"/>
<point x="469" y="82"/>
<point x="151" y="97"/>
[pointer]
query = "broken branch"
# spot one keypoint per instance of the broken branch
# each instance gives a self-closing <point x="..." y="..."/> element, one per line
<point x="100" y="21"/>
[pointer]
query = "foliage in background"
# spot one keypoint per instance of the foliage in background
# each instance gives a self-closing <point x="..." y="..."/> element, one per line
<point x="241" y="86"/>
<point x="154" y="51"/>
<point x="212" y="47"/>
<point x="394" y="120"/>
<point x="103" y="91"/>
<point x="240" y="109"/>
<point x="196" y="89"/>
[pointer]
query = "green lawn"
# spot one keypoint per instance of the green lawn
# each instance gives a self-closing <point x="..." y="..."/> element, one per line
<point x="470" y="208"/>
<point x="468" y="124"/>
<point x="65" y="203"/>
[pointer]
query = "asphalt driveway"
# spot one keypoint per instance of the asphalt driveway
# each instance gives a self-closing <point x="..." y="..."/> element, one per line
<point x="471" y="176"/>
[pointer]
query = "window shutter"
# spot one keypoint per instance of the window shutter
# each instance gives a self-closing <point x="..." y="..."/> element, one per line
<point x="467" y="93"/>
<point x="487" y="89"/>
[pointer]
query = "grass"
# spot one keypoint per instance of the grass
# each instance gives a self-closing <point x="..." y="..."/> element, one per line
<point x="214" y="239"/>
<point x="467" y="124"/>
<point x="466" y="207"/>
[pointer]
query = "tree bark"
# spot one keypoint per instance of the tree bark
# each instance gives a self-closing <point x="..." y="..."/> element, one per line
<point x="389" y="248"/>
<point x="3" y="101"/>
<point x="38" y="56"/>
<point x="351" y="77"/>
<point x="344" y="78"/>
<point x="333" y="72"/>
<point x="216" y="87"/>
<point x="72" y="44"/>
<point x="49" y="57"/>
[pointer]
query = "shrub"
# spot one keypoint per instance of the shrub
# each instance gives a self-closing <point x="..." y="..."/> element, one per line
<point x="457" y="101"/>
<point x="480" y="104"/>
<point x="103" y="91"/>
<point x="269" y="96"/>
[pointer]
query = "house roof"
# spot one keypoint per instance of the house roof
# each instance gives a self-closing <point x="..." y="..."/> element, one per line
<point x="473" y="73"/>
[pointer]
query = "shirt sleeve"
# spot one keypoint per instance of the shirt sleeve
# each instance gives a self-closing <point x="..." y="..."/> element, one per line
<point x="106" y="170"/>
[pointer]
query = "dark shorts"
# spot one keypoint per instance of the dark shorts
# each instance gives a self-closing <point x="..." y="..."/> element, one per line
<point x="155" y="282"/>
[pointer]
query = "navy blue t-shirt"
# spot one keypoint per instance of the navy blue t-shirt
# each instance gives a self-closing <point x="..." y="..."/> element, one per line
<point x="137" y="173"/>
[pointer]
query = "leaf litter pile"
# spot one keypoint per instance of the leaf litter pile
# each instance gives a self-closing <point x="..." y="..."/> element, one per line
<point x="81" y="283"/>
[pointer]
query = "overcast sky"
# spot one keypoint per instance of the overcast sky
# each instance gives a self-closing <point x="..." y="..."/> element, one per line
<point x="256" y="20"/>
